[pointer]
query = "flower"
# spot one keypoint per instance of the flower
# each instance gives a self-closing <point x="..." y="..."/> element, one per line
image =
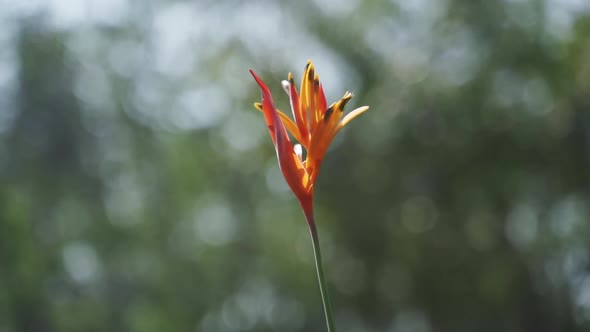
<point x="314" y="126"/>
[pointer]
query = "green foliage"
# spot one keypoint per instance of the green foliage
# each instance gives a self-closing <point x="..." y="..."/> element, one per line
<point x="139" y="189"/>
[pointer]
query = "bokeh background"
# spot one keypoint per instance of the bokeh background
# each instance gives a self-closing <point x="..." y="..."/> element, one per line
<point x="139" y="190"/>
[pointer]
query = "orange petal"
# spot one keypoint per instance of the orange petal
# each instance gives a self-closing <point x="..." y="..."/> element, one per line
<point x="293" y="170"/>
<point x="290" y="165"/>
<point x="326" y="129"/>
<point x="323" y="105"/>
<point x="269" y="110"/>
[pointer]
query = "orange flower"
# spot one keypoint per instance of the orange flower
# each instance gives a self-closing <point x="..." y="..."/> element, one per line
<point x="314" y="126"/>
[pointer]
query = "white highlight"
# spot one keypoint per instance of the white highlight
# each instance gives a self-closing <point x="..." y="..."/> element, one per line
<point x="298" y="151"/>
<point x="286" y="86"/>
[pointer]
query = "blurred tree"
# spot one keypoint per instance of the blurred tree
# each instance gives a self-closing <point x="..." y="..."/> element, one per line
<point x="139" y="190"/>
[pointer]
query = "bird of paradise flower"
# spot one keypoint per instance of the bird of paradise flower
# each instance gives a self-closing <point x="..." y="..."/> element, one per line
<point x="314" y="126"/>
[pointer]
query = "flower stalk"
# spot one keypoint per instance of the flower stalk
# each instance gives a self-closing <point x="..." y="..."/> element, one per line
<point x="315" y="239"/>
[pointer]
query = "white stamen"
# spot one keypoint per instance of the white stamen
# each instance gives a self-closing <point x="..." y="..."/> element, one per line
<point x="298" y="151"/>
<point x="286" y="87"/>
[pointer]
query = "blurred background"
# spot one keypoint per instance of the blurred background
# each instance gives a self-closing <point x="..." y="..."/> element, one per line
<point x="139" y="190"/>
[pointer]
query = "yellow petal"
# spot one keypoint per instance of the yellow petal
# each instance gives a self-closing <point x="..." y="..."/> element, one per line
<point x="303" y="94"/>
<point x="348" y="117"/>
<point x="289" y="124"/>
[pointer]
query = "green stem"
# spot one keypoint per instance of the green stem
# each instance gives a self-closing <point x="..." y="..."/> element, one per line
<point x="320" y="269"/>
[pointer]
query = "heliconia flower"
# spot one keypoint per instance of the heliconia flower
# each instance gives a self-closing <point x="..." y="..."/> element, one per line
<point x="314" y="126"/>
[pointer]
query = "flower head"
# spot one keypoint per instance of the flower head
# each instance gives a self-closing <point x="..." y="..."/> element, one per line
<point x="314" y="126"/>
